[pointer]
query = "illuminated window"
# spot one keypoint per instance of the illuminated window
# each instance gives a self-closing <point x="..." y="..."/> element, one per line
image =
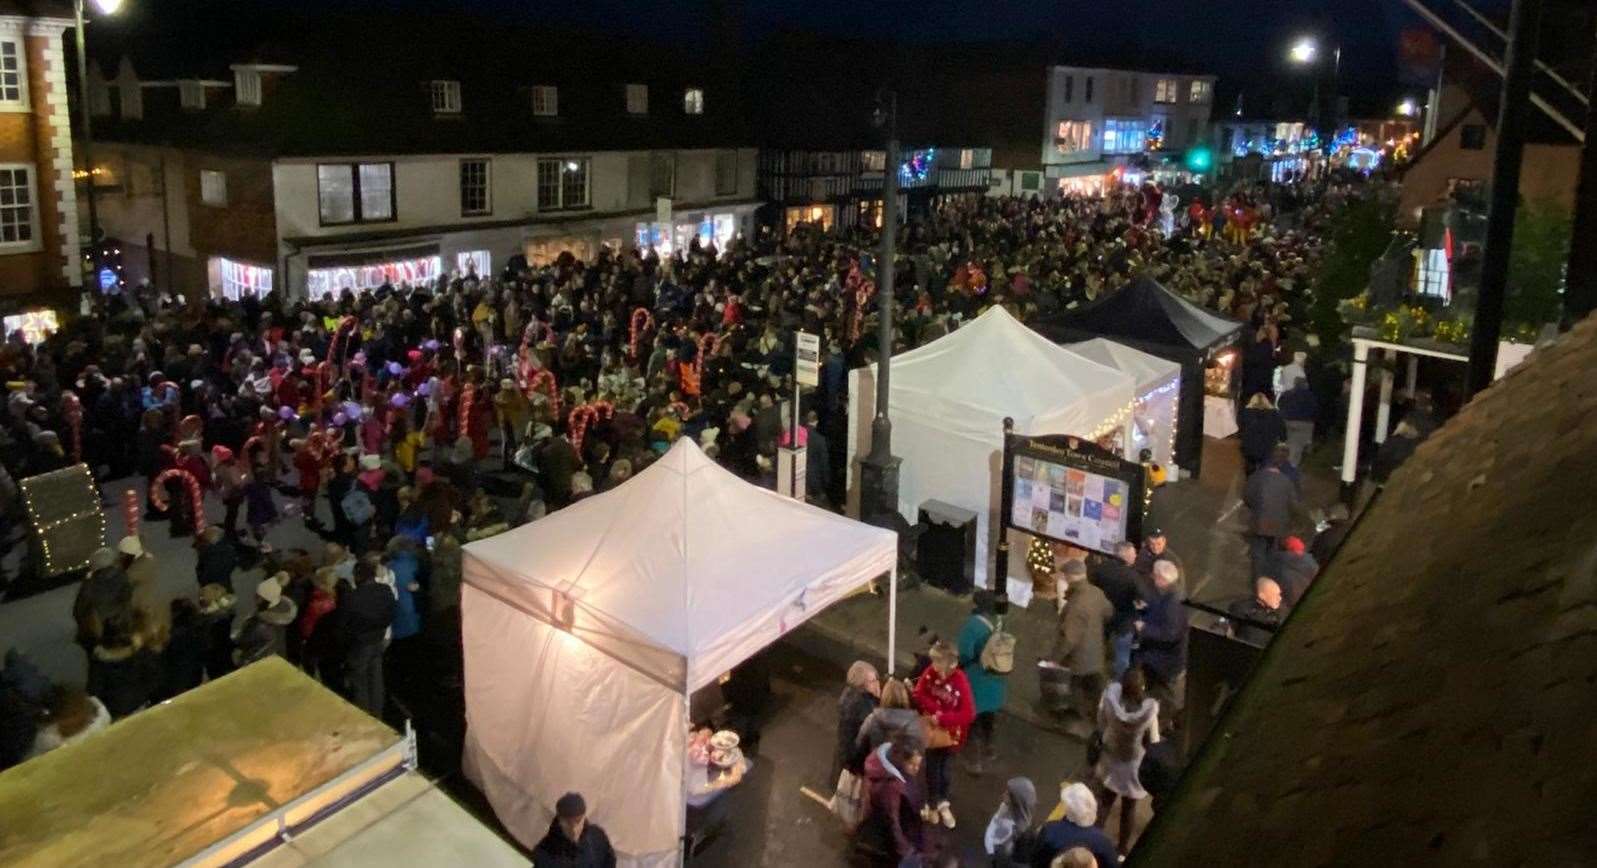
<point x="213" y="187"/>
<point x="545" y="100"/>
<point x="1200" y="92"/>
<point x="873" y="161"/>
<point x="355" y="192"/>
<point x="246" y="87"/>
<point x="637" y="99"/>
<point x="13" y="73"/>
<point x="562" y="183"/>
<point x="1073" y="137"/>
<point x="446" y="97"/>
<point x="1164" y="90"/>
<point x="1123" y="135"/>
<point x="191" y="95"/>
<point x="693" y="101"/>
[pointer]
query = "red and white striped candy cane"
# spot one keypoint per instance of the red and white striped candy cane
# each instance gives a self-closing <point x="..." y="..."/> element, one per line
<point x="72" y="409"/>
<point x="642" y="320"/>
<point x="196" y="498"/>
<point x="544" y="381"/>
<point x="131" y="512"/>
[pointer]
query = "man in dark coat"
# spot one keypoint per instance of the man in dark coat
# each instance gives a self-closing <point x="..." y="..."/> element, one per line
<point x="817" y="462"/>
<point x="572" y="841"/>
<point x="557" y="463"/>
<point x="1117" y="578"/>
<point x="1264" y="607"/>
<point x="1271" y="497"/>
<point x="1162" y="642"/>
<point x="365" y="613"/>
<point x="1293" y="568"/>
<point x="1329" y="539"/>
<point x="215" y="559"/>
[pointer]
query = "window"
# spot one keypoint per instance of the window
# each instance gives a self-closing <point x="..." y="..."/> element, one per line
<point x="16" y="205"/>
<point x="213" y="187"/>
<point x="232" y="279"/>
<point x="13" y="74"/>
<point x="545" y="100"/>
<point x="1164" y="90"/>
<point x="662" y="174"/>
<point x="474" y="197"/>
<point x="1073" y="137"/>
<point x="726" y="173"/>
<point x="1031" y="182"/>
<point x="473" y="262"/>
<point x="355" y="192"/>
<point x="873" y="161"/>
<point x="1070" y="88"/>
<point x="1156" y="132"/>
<point x="1472" y="137"/>
<point x="1431" y="273"/>
<point x="191" y="95"/>
<point x="693" y="101"/>
<point x="1087" y="93"/>
<point x="967" y="158"/>
<point x="637" y="99"/>
<point x="246" y="87"/>
<point x="1200" y="92"/>
<point x="446" y="97"/>
<point x="562" y="183"/>
<point x="1123" y="136"/>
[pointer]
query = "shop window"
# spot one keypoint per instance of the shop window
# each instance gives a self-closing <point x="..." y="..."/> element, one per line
<point x="474" y="195"/>
<point x="562" y="183"/>
<point x="1164" y="90"/>
<point x="231" y="279"/>
<point x="213" y="188"/>
<point x="637" y="99"/>
<point x="446" y="97"/>
<point x="13" y="74"/>
<point x="473" y="262"/>
<point x="726" y="173"/>
<point x="1123" y="136"/>
<point x="355" y="192"/>
<point x="1472" y="137"/>
<point x="693" y="101"/>
<point x="545" y="100"/>
<point x="17" y="213"/>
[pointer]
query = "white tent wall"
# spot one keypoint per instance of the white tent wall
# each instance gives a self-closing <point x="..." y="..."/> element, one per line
<point x="547" y="714"/>
<point x="1157" y="397"/>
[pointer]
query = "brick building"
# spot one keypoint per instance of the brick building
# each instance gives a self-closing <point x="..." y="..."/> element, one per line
<point x="39" y="256"/>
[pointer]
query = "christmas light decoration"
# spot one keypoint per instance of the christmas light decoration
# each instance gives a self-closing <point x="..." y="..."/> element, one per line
<point x="918" y="167"/>
<point x="1040" y="556"/>
<point x="50" y="516"/>
<point x="641" y="321"/>
<point x="192" y="485"/>
<point x="72" y="409"/>
<point x="131" y="512"/>
<point x="582" y="417"/>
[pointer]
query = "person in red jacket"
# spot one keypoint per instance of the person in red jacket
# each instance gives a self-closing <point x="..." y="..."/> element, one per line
<point x="943" y="697"/>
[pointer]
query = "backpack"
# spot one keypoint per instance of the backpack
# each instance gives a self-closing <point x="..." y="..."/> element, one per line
<point x="357" y="506"/>
<point x="998" y="652"/>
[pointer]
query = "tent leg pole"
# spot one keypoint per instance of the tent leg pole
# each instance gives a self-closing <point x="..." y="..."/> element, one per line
<point x="1383" y="411"/>
<point x="892" y="619"/>
<point x="1412" y="378"/>
<point x="1355" y="419"/>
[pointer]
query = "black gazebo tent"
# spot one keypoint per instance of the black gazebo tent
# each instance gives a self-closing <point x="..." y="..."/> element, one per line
<point x="1145" y="315"/>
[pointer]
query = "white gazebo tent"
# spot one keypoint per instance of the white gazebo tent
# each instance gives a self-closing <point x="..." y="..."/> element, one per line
<point x="587" y="631"/>
<point x="949" y="399"/>
<point x="1158" y="400"/>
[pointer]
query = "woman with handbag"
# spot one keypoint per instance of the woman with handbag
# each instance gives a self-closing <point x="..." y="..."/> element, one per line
<point x="987" y="688"/>
<point x="848" y="763"/>
<point x="943" y="697"/>
<point x="1127" y="717"/>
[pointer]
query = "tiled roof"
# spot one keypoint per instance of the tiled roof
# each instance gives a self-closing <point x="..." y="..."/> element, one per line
<point x="1433" y="701"/>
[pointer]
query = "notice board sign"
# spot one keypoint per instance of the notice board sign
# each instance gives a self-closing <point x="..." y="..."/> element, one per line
<point x="807" y="359"/>
<point x="1069" y="489"/>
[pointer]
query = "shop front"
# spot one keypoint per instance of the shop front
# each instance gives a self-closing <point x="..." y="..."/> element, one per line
<point x="707" y="228"/>
<point x="365" y="271"/>
<point x="231" y="278"/>
<point x="822" y="216"/>
<point x="544" y="250"/>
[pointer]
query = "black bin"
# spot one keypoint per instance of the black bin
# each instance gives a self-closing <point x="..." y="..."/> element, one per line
<point x="945" y="554"/>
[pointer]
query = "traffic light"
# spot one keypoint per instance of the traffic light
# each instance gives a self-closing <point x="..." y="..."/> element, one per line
<point x="1200" y="159"/>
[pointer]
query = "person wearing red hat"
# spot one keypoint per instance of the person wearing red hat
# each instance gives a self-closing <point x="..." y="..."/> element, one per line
<point x="1293" y="568"/>
<point x="229" y="477"/>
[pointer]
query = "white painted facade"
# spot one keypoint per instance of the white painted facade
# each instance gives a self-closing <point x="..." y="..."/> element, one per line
<point x="1098" y="118"/>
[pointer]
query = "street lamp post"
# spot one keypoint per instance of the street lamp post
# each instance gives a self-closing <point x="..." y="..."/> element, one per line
<point x="106" y="7"/>
<point x="879" y="468"/>
<point x="1305" y="52"/>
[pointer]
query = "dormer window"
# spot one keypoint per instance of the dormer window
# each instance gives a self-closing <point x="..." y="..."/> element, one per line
<point x="191" y="95"/>
<point x="446" y="97"/>
<point x="247" y="87"/>
<point x="545" y="100"/>
<point x="637" y="99"/>
<point x="693" y="101"/>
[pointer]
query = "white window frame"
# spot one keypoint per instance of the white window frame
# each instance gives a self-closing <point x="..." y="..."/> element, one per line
<point x="545" y="101"/>
<point x="1124" y="135"/>
<point x="20" y="102"/>
<point x="213" y="188"/>
<point x="246" y="87"/>
<point x="487" y="187"/>
<point x="357" y="208"/>
<point x="1166" y="91"/>
<point x="637" y="99"/>
<point x="693" y="101"/>
<point x="33" y="242"/>
<point x="191" y="95"/>
<point x="560" y="167"/>
<point x="1200" y="92"/>
<point x="445" y="96"/>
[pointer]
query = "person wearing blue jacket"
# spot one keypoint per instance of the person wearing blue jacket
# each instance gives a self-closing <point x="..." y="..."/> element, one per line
<point x="402" y="560"/>
<point x="1162" y="641"/>
<point x="987" y="688"/>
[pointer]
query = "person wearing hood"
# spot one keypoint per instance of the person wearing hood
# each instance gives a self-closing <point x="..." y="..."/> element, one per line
<point x="401" y="560"/>
<point x="572" y="841"/>
<point x="105" y="594"/>
<point x="70" y="717"/>
<point x="266" y="631"/>
<point x="215" y="558"/>
<point x="123" y="674"/>
<point x="1077" y="828"/>
<point x="892" y="828"/>
<point x="987" y="688"/>
<point x="1129" y="721"/>
<point x="1009" y="839"/>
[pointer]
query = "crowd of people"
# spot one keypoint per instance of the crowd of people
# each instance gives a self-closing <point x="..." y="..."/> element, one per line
<point x="401" y="422"/>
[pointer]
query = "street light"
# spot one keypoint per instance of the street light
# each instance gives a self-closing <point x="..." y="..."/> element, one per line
<point x="104" y="7"/>
<point x="1407" y="108"/>
<point x="1304" y="51"/>
<point x="879" y="468"/>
